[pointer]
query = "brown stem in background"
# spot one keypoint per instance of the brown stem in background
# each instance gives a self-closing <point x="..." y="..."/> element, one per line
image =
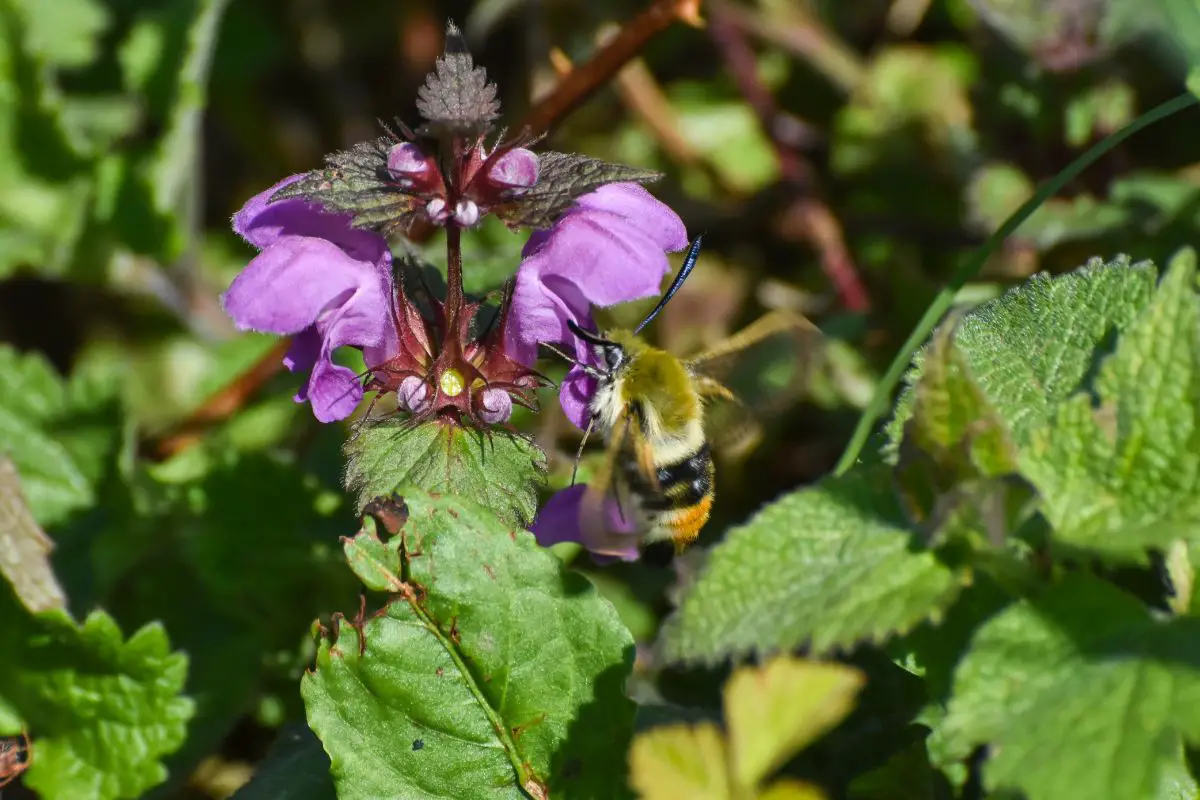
<point x="582" y="82"/>
<point x="807" y="217"/>
<point x="220" y="405"/>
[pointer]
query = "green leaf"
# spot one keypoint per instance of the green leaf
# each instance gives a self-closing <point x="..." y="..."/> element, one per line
<point x="494" y="668"/>
<point x="63" y="33"/>
<point x="45" y="430"/>
<point x="102" y="711"/>
<point x="775" y="710"/>
<point x="172" y="171"/>
<point x="25" y="548"/>
<point x="828" y="566"/>
<point x="1080" y="693"/>
<point x="44" y="186"/>
<point x="881" y="398"/>
<point x="1125" y="474"/>
<point x="498" y="470"/>
<point x="1032" y="348"/>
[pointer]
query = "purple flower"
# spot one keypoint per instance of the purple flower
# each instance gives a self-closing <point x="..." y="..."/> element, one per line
<point x="559" y="519"/>
<point x="321" y="281"/>
<point x="609" y="247"/>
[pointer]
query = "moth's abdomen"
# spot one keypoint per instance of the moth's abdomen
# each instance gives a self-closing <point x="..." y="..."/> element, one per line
<point x="679" y="508"/>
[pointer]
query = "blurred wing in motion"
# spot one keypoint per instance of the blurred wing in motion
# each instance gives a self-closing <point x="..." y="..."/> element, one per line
<point x="765" y="366"/>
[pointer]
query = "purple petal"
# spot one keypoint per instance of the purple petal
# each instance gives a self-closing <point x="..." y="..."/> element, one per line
<point x="540" y="314"/>
<point x="287" y="286"/>
<point x="575" y="393"/>
<point x="608" y="259"/>
<point x="302" y="355"/>
<point x="651" y="216"/>
<point x="333" y="390"/>
<point x="262" y="224"/>
<point x="559" y="521"/>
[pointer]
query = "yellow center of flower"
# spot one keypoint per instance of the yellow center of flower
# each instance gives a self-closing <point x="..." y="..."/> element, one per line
<point x="452" y="383"/>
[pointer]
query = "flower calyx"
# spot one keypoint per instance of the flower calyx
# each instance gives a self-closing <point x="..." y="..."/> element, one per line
<point x="444" y="173"/>
<point x="442" y="371"/>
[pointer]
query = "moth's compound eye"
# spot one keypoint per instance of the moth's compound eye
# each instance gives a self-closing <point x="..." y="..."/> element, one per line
<point x="613" y="357"/>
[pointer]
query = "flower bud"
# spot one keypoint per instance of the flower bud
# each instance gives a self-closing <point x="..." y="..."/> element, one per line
<point x="495" y="406"/>
<point x="413" y="395"/>
<point x="517" y="169"/>
<point x="466" y="213"/>
<point x="410" y="167"/>
<point x="436" y="210"/>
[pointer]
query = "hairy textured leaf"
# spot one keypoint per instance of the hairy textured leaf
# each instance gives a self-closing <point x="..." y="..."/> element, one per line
<point x="775" y="710"/>
<point x="357" y="182"/>
<point x="952" y="421"/>
<point x="561" y="178"/>
<point x="1033" y="348"/>
<point x="457" y="99"/>
<point x="955" y="448"/>
<point x="103" y="711"/>
<point x="25" y="548"/>
<point x="1126" y="474"/>
<point x="829" y="566"/>
<point x="1080" y="692"/>
<point x="498" y="470"/>
<point x="492" y="669"/>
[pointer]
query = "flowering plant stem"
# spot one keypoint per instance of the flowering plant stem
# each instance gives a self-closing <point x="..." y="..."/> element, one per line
<point x="941" y="304"/>
<point x="454" y="275"/>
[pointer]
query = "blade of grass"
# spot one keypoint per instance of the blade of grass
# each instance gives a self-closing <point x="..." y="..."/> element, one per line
<point x="970" y="267"/>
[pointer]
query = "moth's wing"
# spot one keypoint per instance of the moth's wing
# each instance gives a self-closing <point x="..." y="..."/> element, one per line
<point x="754" y="375"/>
<point x="596" y="533"/>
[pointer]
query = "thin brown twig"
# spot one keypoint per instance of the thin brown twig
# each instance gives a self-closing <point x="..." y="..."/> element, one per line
<point x="808" y="217"/>
<point x="642" y="95"/>
<point x="582" y="82"/>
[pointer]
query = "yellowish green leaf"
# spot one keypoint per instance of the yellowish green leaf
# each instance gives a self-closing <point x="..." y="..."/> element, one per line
<point x="774" y="711"/>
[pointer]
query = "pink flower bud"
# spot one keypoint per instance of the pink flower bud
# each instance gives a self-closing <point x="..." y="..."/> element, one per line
<point x="466" y="213"/>
<point x="413" y="395"/>
<point x="516" y="169"/>
<point x="407" y="164"/>
<point x="495" y="406"/>
<point x="436" y="209"/>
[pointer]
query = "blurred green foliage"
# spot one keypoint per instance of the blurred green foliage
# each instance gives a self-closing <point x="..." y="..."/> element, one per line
<point x="130" y="130"/>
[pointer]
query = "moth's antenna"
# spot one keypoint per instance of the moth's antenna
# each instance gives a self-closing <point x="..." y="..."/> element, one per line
<point x="689" y="262"/>
<point x="588" y="368"/>
<point x="587" y="336"/>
